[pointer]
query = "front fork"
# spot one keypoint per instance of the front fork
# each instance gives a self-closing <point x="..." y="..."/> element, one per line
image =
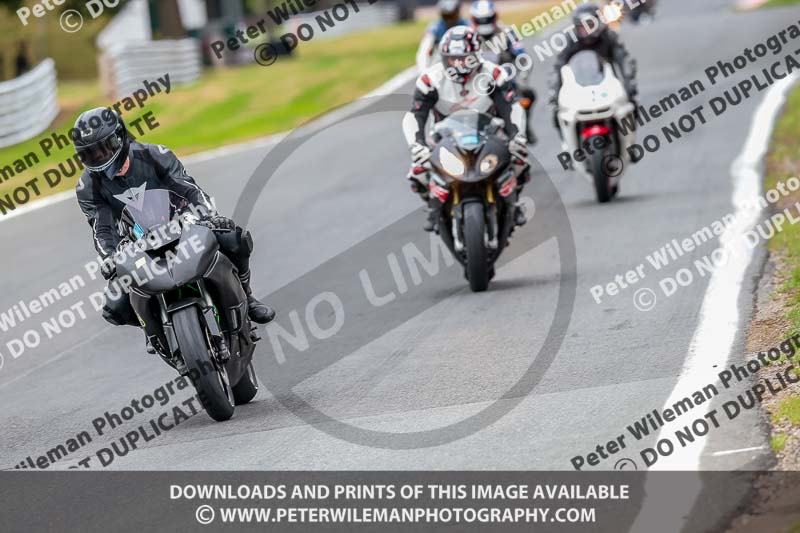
<point x="211" y="319"/>
<point x="443" y="197"/>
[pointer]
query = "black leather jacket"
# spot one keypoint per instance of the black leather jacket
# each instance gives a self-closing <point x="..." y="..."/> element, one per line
<point x="151" y="167"/>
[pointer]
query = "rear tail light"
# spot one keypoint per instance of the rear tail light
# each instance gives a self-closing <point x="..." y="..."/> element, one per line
<point x="594" y="130"/>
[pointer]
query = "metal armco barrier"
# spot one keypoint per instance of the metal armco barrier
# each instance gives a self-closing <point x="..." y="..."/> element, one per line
<point x="125" y="65"/>
<point x="28" y="104"/>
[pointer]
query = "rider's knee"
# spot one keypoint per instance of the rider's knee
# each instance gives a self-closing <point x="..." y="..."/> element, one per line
<point x="119" y="312"/>
<point x="238" y="242"/>
<point x="112" y="317"/>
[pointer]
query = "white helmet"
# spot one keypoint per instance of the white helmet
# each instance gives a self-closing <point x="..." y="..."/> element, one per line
<point x="483" y="17"/>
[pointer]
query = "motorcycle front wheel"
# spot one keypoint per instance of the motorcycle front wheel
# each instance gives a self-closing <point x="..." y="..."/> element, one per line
<point x="247" y="388"/>
<point x="475" y="244"/>
<point x="209" y="379"/>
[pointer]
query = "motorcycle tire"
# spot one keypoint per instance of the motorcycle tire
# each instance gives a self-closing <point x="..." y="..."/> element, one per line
<point x="247" y="388"/>
<point x="475" y="244"/>
<point x="602" y="185"/>
<point x="212" y="388"/>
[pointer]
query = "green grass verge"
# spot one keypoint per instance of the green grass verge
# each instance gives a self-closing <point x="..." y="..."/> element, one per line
<point x="789" y="410"/>
<point x="231" y="105"/>
<point x="783" y="162"/>
<point x="778" y="442"/>
<point x="780" y="3"/>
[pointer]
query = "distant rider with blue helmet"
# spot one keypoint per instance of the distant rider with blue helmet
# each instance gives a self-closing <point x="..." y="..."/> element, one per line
<point x="450" y="16"/>
<point x="502" y="45"/>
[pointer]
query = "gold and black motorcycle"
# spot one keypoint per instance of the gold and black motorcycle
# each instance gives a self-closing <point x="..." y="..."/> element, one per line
<point x="473" y="186"/>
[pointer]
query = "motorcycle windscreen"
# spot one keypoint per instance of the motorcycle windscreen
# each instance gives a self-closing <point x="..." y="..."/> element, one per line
<point x="464" y="135"/>
<point x="466" y="126"/>
<point x="150" y="209"/>
<point x="587" y="68"/>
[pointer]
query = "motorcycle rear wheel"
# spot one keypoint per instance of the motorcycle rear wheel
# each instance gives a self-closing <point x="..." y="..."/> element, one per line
<point x="212" y="387"/>
<point x="475" y="244"/>
<point x="602" y="185"/>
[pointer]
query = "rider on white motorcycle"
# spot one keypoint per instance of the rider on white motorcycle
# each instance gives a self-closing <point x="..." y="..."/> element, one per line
<point x="449" y="17"/>
<point x="594" y="34"/>
<point x="462" y="80"/>
<point x="502" y="45"/>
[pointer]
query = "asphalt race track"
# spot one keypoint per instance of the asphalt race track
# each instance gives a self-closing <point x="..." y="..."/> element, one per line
<point x="428" y="363"/>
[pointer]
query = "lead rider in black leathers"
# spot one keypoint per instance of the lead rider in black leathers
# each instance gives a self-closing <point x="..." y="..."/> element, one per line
<point x="118" y="169"/>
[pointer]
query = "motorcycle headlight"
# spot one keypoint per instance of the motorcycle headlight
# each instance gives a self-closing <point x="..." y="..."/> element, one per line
<point x="612" y="13"/>
<point x="488" y="164"/>
<point x="451" y="163"/>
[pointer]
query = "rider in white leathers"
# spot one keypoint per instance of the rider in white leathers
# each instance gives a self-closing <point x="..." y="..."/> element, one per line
<point x="462" y="80"/>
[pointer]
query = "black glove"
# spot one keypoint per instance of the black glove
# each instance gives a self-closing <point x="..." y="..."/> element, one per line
<point x="518" y="147"/>
<point x="108" y="268"/>
<point x="217" y="222"/>
<point x="632" y="89"/>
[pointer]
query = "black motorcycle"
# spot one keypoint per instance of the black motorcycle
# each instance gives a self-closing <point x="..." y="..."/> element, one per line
<point x="189" y="300"/>
<point x="473" y="185"/>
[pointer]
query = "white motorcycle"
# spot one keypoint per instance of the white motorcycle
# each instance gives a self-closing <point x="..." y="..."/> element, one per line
<point x="592" y="103"/>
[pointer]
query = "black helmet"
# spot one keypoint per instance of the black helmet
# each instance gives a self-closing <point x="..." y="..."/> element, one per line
<point x="101" y="141"/>
<point x="459" y="50"/>
<point x="589" y="25"/>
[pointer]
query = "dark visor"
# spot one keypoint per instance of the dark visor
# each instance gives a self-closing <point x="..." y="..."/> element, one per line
<point x="98" y="155"/>
<point x="463" y="64"/>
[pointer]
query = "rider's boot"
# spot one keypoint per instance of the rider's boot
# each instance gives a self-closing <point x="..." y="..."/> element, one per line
<point x="520" y="219"/>
<point x="532" y="140"/>
<point x="420" y="181"/>
<point x="257" y="311"/>
<point x="430" y="219"/>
